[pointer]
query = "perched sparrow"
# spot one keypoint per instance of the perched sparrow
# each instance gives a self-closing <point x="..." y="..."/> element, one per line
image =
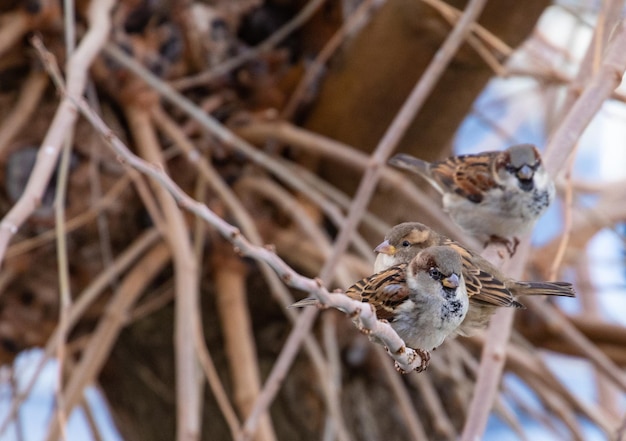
<point x="491" y="195"/>
<point x="487" y="288"/>
<point x="423" y="299"/>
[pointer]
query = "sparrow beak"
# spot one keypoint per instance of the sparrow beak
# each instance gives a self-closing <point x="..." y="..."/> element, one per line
<point x="385" y="248"/>
<point x="525" y="173"/>
<point x="451" y="282"/>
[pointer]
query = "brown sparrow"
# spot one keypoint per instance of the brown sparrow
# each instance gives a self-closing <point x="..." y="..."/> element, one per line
<point x="487" y="287"/>
<point x="424" y="299"/>
<point x="491" y="195"/>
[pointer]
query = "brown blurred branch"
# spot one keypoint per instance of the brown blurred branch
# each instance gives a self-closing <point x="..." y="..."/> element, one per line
<point x="403" y="399"/>
<point x="105" y="202"/>
<point x="109" y="327"/>
<point x="494" y="350"/>
<point x="210" y="372"/>
<point x="299" y="138"/>
<point x="230" y="296"/>
<point x="407" y="359"/>
<point x="64" y="119"/>
<point x="245" y="221"/>
<point x="352" y="25"/>
<point x="232" y="63"/>
<point x="267" y="188"/>
<point x="221" y="133"/>
<point x="186" y="277"/>
<point x="13" y="26"/>
<point x="370" y="180"/>
<point x="30" y="95"/>
<point x="441" y="422"/>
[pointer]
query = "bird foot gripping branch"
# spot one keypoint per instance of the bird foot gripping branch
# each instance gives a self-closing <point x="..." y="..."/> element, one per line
<point x="412" y="354"/>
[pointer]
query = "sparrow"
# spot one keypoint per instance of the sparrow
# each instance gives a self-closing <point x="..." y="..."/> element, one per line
<point x="487" y="287"/>
<point x="494" y="196"/>
<point x="424" y="299"/>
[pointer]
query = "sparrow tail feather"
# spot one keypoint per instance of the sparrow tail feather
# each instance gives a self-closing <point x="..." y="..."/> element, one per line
<point x="415" y="165"/>
<point x="409" y="162"/>
<point x="562" y="289"/>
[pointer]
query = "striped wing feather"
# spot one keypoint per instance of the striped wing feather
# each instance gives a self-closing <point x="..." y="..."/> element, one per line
<point x="384" y="290"/>
<point x="482" y="287"/>
<point x="467" y="175"/>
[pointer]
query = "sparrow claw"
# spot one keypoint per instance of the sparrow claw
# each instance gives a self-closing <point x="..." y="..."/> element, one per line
<point x="511" y="245"/>
<point x="424" y="356"/>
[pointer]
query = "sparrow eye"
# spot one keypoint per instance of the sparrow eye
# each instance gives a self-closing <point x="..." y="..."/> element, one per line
<point x="435" y="274"/>
<point x="406" y="244"/>
<point x="509" y="168"/>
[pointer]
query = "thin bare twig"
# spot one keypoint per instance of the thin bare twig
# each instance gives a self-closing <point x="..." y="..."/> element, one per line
<point x="452" y="14"/>
<point x="221" y="133"/>
<point x="244" y="220"/>
<point x="407" y="359"/>
<point x="428" y="394"/>
<point x="493" y="354"/>
<point x="186" y="280"/>
<point x="85" y="299"/>
<point x="232" y="63"/>
<point x="403" y="400"/>
<point x="558" y="151"/>
<point x="608" y="17"/>
<point x="204" y="357"/>
<point x="109" y="327"/>
<point x="333" y="376"/>
<point x="303" y="139"/>
<point x="608" y="396"/>
<point x="30" y="95"/>
<point x="366" y="188"/>
<point x="556" y="320"/>
<point x="91" y="420"/>
<point x="607" y="20"/>
<point x="65" y="302"/>
<point x="269" y="189"/>
<point x="567" y="220"/>
<point x="355" y="22"/>
<point x="239" y="345"/>
<point x="72" y="224"/>
<point x="601" y="86"/>
<point x="65" y="117"/>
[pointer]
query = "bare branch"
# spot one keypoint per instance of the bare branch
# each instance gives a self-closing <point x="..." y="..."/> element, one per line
<point x="407" y="359"/>
<point x="601" y="86"/>
<point x="64" y="119"/>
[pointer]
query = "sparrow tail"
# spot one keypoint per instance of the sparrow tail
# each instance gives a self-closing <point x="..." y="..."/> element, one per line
<point x="409" y="162"/>
<point x="563" y="289"/>
<point x="415" y="165"/>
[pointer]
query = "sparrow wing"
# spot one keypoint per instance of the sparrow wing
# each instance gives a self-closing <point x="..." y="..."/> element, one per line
<point x="467" y="175"/>
<point x="384" y="290"/>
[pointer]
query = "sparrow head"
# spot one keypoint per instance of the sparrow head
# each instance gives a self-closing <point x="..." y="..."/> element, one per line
<point x="404" y="241"/>
<point x="439" y="267"/>
<point x="518" y="165"/>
